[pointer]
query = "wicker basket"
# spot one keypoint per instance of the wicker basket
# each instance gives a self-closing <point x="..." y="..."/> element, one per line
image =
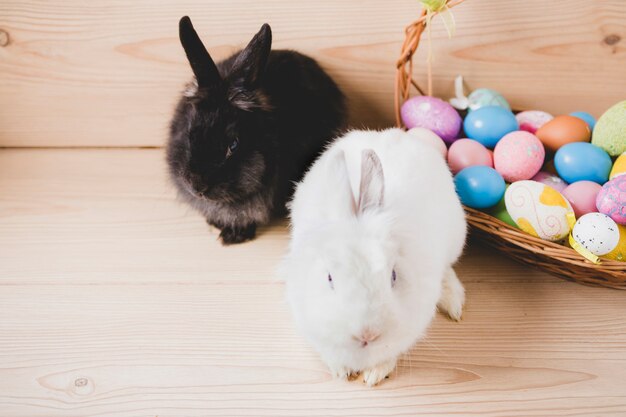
<point x="556" y="259"/>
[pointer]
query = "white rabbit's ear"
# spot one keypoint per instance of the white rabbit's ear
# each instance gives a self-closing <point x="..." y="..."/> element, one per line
<point x="372" y="188"/>
<point x="344" y="189"/>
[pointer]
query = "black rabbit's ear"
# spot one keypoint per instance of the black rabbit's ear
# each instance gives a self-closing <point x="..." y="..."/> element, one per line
<point x="201" y="62"/>
<point x="251" y="62"/>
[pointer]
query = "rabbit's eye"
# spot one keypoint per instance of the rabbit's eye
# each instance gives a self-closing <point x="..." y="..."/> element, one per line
<point x="232" y="147"/>
<point x="393" y="277"/>
<point x="330" y="282"/>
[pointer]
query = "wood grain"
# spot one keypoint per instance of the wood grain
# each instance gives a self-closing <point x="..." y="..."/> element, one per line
<point x="115" y="300"/>
<point x="108" y="73"/>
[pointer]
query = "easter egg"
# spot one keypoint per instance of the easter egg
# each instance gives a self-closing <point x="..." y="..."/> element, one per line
<point x="611" y="199"/>
<point x="619" y="252"/>
<point x="499" y="212"/>
<point x="582" y="196"/>
<point x="563" y="130"/>
<point x="464" y="153"/>
<point x="488" y="125"/>
<point x="479" y="186"/>
<point x="589" y="119"/>
<point x="531" y="120"/>
<point x="433" y="114"/>
<point x="550" y="179"/>
<point x="597" y="233"/>
<point x="538" y="210"/>
<point x="619" y="167"/>
<point x="518" y="156"/>
<point x="483" y="97"/>
<point x="581" y="161"/>
<point x="610" y="130"/>
<point x="430" y="138"/>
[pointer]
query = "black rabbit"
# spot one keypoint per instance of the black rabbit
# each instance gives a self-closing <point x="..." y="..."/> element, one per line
<point x="247" y="128"/>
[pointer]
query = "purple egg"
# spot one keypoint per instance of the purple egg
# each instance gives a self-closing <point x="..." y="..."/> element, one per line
<point x="433" y="114"/>
<point x="550" y="179"/>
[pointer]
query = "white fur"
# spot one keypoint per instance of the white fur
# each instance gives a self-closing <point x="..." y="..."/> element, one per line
<point x="419" y="231"/>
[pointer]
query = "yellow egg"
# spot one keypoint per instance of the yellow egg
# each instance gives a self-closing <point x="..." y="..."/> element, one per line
<point x="619" y="253"/>
<point x="619" y="167"/>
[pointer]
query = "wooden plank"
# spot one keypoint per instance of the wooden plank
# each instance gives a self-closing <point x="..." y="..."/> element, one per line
<point x="116" y="300"/>
<point x="108" y="73"/>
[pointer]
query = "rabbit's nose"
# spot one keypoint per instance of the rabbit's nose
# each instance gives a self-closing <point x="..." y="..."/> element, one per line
<point x="367" y="336"/>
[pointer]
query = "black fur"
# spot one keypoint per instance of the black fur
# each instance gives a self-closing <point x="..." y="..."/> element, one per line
<point x="280" y="106"/>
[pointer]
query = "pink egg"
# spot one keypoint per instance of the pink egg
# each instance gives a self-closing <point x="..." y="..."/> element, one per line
<point x="518" y="156"/>
<point x="531" y="120"/>
<point x="582" y="196"/>
<point x="467" y="152"/>
<point x="433" y="114"/>
<point x="550" y="179"/>
<point x="429" y="137"/>
<point x="611" y="199"/>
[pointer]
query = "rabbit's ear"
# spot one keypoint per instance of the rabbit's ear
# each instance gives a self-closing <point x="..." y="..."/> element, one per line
<point x="372" y="188"/>
<point x="344" y="189"/>
<point x="201" y="62"/>
<point x="250" y="64"/>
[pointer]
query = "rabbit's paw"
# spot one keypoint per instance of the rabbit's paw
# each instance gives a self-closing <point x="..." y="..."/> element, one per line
<point x="379" y="372"/>
<point x="452" y="296"/>
<point x="342" y="372"/>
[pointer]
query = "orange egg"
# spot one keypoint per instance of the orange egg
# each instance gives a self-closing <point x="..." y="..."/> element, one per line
<point x="563" y="130"/>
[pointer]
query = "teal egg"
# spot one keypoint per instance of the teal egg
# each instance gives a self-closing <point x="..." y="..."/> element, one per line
<point x="484" y="97"/>
<point x="479" y="186"/>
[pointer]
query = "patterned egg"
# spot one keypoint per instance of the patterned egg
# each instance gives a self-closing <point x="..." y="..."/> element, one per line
<point x="597" y="233"/>
<point x="486" y="97"/>
<point x="619" y="167"/>
<point x="563" y="130"/>
<point x="550" y="179"/>
<point x="465" y="153"/>
<point x="589" y="119"/>
<point x="433" y="114"/>
<point x="531" y="120"/>
<point x="538" y="209"/>
<point x="610" y="130"/>
<point x="582" y="196"/>
<point x="489" y="124"/>
<point x="518" y="156"/>
<point x="611" y="199"/>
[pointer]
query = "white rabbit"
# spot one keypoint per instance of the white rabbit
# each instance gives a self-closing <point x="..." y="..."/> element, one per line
<point x="376" y="228"/>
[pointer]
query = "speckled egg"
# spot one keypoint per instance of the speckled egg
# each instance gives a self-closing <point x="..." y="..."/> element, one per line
<point x="610" y="130"/>
<point x="538" y="209"/>
<point x="597" y="233"/>
<point x="433" y="114"/>
<point x="518" y="156"/>
<point x="611" y="199"/>
<point x="582" y="196"/>
<point x="465" y="153"/>
<point x="486" y="97"/>
<point x="550" y="179"/>
<point x="531" y="120"/>
<point x="563" y="130"/>
<point x="430" y="138"/>
<point x="619" y="166"/>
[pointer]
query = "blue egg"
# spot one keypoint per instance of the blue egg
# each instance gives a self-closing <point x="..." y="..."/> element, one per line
<point x="589" y="119"/>
<point x="488" y="124"/>
<point x="479" y="186"/>
<point x="582" y="161"/>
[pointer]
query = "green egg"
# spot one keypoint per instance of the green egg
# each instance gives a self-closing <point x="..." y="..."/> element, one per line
<point x="499" y="212"/>
<point x="610" y="130"/>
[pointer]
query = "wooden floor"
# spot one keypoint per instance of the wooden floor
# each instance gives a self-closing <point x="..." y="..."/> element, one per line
<point x="116" y="300"/>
